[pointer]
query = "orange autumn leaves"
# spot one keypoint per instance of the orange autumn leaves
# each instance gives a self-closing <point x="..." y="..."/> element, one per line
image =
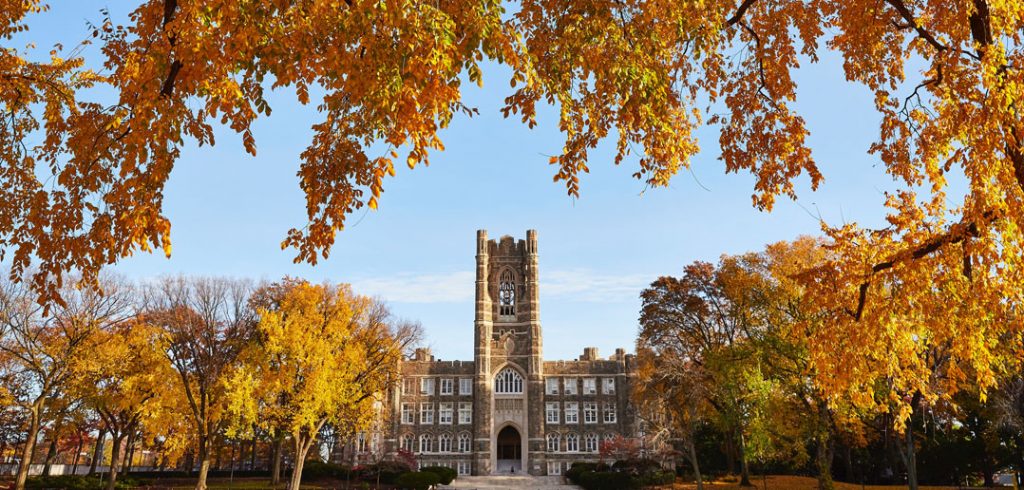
<point x="387" y="75"/>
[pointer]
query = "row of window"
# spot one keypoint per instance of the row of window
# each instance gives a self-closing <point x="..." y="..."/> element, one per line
<point x="572" y="442"/>
<point x="445" y="413"/>
<point x="427" y="386"/>
<point x="443" y="443"/>
<point x="507" y="381"/>
<point x="572" y="413"/>
<point x="569" y="386"/>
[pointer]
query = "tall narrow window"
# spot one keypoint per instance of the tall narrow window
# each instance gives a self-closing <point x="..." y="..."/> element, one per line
<point x="507" y="294"/>
<point x="553" y="442"/>
<point x="444" y="443"/>
<point x="572" y="443"/>
<point x="508" y="381"/>
<point x="464" y="442"/>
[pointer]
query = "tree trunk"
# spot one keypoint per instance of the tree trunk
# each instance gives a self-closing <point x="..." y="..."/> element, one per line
<point x="115" y="456"/>
<point x="302" y="445"/>
<point x="275" y="471"/>
<point x="696" y="466"/>
<point x="204" y="462"/>
<point x="730" y="455"/>
<point x="126" y="464"/>
<point x="29" y="450"/>
<point x="744" y="467"/>
<point x="910" y="457"/>
<point x="97" y="451"/>
<point x="78" y="453"/>
<point x="51" y="453"/>
<point x="252" y="455"/>
<point x="848" y="462"/>
<point x="823" y="460"/>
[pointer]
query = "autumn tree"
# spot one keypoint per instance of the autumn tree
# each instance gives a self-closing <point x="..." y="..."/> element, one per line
<point x="43" y="354"/>
<point x="127" y="383"/>
<point x="205" y="324"/>
<point x="695" y="329"/>
<point x="324" y="355"/>
<point x="945" y="81"/>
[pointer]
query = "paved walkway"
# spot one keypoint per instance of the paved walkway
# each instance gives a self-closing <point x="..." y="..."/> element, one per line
<point x="498" y="482"/>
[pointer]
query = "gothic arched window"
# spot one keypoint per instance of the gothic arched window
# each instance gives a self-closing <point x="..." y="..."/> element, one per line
<point x="507" y="294"/>
<point x="572" y="443"/>
<point x="444" y="443"/>
<point x="508" y="381"/>
<point x="426" y="444"/>
<point x="464" y="442"/>
<point x="408" y="442"/>
<point x="554" y="441"/>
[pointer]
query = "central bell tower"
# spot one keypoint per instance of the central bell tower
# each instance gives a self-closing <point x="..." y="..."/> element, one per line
<point x="507" y="341"/>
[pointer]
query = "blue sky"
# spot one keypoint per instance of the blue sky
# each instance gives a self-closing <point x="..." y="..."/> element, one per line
<point x="230" y="211"/>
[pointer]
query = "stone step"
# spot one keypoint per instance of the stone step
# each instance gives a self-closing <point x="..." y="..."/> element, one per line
<point x="497" y="482"/>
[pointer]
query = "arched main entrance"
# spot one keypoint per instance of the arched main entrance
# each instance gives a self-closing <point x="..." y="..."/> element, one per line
<point x="510" y="451"/>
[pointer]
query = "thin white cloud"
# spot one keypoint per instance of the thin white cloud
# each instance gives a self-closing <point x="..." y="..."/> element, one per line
<point x="586" y="285"/>
<point x="582" y="285"/>
<point x="453" y="287"/>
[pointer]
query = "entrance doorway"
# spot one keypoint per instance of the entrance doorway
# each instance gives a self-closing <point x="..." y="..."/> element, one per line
<point x="510" y="451"/>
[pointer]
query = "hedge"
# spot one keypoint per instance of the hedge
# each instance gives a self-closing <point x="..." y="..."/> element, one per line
<point x="574" y="471"/>
<point x="608" y="480"/>
<point x="417" y="480"/>
<point x="445" y="474"/>
<point x="77" y="482"/>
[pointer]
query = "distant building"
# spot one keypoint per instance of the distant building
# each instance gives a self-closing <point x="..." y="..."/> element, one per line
<point x="509" y="410"/>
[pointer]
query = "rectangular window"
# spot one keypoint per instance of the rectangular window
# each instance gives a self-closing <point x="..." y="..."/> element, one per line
<point x="447" y="386"/>
<point x="445" y="416"/>
<point x="570" y="385"/>
<point x="465" y="413"/>
<point x="409" y="386"/>
<point x="554" y="467"/>
<point x="408" y="413"/>
<point x="590" y="413"/>
<point x="589" y="386"/>
<point x="551" y="386"/>
<point x="609" y="413"/>
<point x="464" y="468"/>
<point x="609" y="386"/>
<point x="551" y="408"/>
<point x="427" y="386"/>
<point x="465" y="386"/>
<point x="426" y="413"/>
<point x="572" y="412"/>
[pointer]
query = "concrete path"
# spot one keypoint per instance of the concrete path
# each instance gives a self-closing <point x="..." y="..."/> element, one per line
<point x="498" y="482"/>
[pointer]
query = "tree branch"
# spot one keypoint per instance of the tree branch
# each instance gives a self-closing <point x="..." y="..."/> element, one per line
<point x="955" y="234"/>
<point x="908" y="16"/>
<point x="742" y="9"/>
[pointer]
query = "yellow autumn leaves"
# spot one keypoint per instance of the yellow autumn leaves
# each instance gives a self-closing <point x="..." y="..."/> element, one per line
<point x="179" y="364"/>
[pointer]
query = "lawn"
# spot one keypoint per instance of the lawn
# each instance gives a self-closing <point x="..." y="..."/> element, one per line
<point x="798" y="483"/>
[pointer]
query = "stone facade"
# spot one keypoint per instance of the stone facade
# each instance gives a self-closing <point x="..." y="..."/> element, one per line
<point x="508" y="410"/>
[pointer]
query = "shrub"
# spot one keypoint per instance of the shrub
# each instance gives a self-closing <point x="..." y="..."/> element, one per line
<point x="417" y="480"/>
<point x="657" y="478"/>
<point x="387" y="471"/>
<point x="445" y="474"/>
<point x="77" y="482"/>
<point x="608" y="480"/>
<point x="574" y="471"/>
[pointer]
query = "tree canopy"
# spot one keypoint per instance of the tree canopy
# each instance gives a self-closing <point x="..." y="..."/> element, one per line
<point x="945" y="77"/>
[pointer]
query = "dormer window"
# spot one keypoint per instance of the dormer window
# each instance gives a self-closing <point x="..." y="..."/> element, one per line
<point x="507" y="294"/>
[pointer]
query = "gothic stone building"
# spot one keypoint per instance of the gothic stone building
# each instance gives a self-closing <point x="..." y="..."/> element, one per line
<point x="508" y="410"/>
